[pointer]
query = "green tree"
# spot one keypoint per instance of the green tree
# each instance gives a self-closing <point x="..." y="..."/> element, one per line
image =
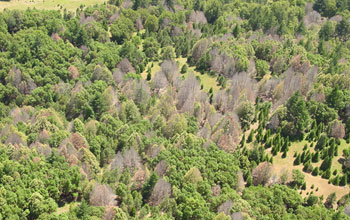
<point x="327" y="31"/>
<point x="212" y="10"/>
<point x="331" y="199"/>
<point x="326" y="8"/>
<point x="336" y="99"/>
<point x="122" y="29"/>
<point x="342" y="29"/>
<point x="297" y="113"/>
<point x="151" y="23"/>
<point x="245" y="112"/>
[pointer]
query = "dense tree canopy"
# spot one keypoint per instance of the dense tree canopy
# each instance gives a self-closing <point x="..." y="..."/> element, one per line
<point x="175" y="110"/>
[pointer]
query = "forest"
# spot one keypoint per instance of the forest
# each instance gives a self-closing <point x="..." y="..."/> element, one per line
<point x="176" y="109"/>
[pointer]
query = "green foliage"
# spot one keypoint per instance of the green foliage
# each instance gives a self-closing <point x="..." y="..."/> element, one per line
<point x="297" y="113"/>
<point x="83" y="103"/>
<point x="245" y="112"/>
<point x="121" y="30"/>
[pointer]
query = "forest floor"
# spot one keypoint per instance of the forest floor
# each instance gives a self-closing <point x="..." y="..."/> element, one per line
<point x="205" y="79"/>
<point x="71" y="5"/>
<point x="281" y="165"/>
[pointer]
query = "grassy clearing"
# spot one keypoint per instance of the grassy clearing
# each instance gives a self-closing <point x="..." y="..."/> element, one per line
<point x="66" y="207"/>
<point x="324" y="188"/>
<point x="71" y="5"/>
<point x="205" y="79"/>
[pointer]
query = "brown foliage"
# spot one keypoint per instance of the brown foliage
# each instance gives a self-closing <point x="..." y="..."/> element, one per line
<point x="55" y="37"/>
<point x="78" y="141"/>
<point x="337" y="129"/>
<point x="125" y="66"/>
<point x="109" y="214"/>
<point x="262" y="173"/>
<point x="139" y="179"/>
<point x="43" y="136"/>
<point x="74" y="72"/>
<point x="216" y="190"/>
<point x="102" y="195"/>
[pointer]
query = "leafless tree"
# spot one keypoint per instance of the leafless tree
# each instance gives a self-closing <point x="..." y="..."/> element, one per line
<point x="242" y="85"/>
<point x="197" y="17"/>
<point x="220" y="101"/>
<point x="129" y="159"/>
<point x="240" y="182"/>
<point x="138" y="24"/>
<point x="40" y="148"/>
<point x="154" y="150"/>
<point x="14" y="139"/>
<point x="127" y="4"/>
<point x="176" y="31"/>
<point x="226" y="207"/>
<point x="262" y="173"/>
<point x="86" y="20"/>
<point x="336" y="18"/>
<point x="170" y="70"/>
<point x="312" y="17"/>
<point x="274" y="122"/>
<point x="21" y="114"/>
<point x="187" y="94"/>
<point x="118" y="77"/>
<point x="67" y="150"/>
<point x="237" y="216"/>
<point x="199" y="49"/>
<point x="216" y="190"/>
<point x="109" y="214"/>
<point x="168" y="74"/>
<point x="161" y="168"/>
<point x="43" y="136"/>
<point x="337" y="129"/>
<point x="14" y="76"/>
<point x="125" y="66"/>
<point x="205" y="131"/>
<point x="102" y="195"/>
<point x="221" y="63"/>
<point x="161" y="190"/>
<point x="114" y="17"/>
<point x="138" y="90"/>
<point x="165" y="22"/>
<point x="102" y="73"/>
